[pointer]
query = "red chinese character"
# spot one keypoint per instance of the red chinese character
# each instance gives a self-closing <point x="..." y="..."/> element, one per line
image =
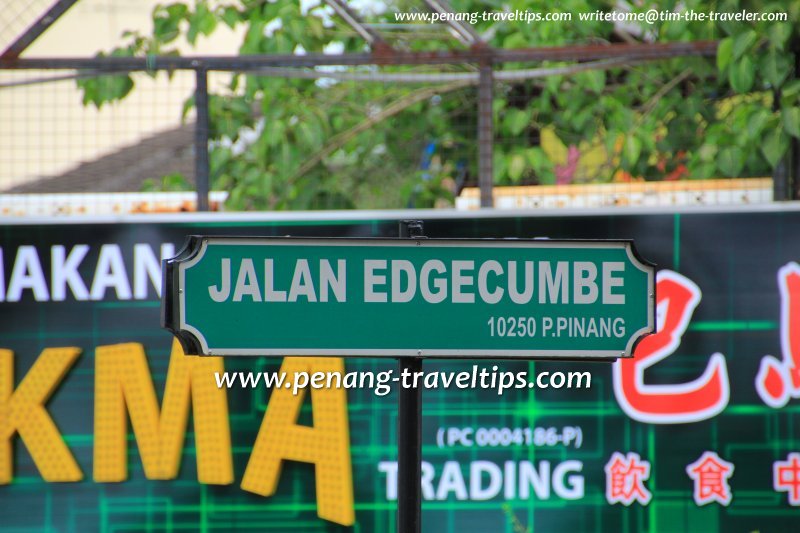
<point x="777" y="381"/>
<point x="786" y="477"/>
<point x="675" y="403"/>
<point x="625" y="476"/>
<point x="710" y="475"/>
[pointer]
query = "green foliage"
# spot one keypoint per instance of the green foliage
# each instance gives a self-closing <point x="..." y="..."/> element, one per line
<point x="174" y="182"/>
<point x="427" y="191"/>
<point x="104" y="89"/>
<point x="283" y="143"/>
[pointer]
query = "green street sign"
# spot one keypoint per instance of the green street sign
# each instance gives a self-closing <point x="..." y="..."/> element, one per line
<point x="408" y="297"/>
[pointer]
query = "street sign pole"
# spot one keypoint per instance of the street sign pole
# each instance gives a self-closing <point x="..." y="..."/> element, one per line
<point x="409" y="430"/>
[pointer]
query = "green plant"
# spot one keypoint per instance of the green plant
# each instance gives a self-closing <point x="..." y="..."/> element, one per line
<point x="282" y="143"/>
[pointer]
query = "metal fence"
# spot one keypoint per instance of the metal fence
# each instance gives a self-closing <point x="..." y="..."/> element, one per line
<point x="170" y="133"/>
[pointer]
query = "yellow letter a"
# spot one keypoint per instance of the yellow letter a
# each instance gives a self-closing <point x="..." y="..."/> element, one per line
<point x="23" y="411"/>
<point x="326" y="444"/>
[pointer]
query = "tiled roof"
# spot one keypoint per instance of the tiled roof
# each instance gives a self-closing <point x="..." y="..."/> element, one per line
<point x="164" y="153"/>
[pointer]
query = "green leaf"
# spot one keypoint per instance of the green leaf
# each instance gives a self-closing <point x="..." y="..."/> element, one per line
<point x="309" y="134"/>
<point x="188" y="105"/>
<point x="675" y="30"/>
<point x="535" y="156"/>
<point x="580" y="119"/>
<point x="109" y="88"/>
<point x="275" y="132"/>
<point x="743" y="42"/>
<point x="230" y="16"/>
<point x="774" y="146"/>
<point x="704" y="171"/>
<point x="201" y="22"/>
<point x="756" y="123"/>
<point x="632" y="150"/>
<point x="516" y="121"/>
<point x="742" y="75"/>
<point x="707" y="152"/>
<point x="610" y="142"/>
<point x="516" y="40"/>
<point x="253" y="38"/>
<point x="724" y="53"/>
<point x="791" y="121"/>
<point x="516" y="167"/>
<point x="595" y="80"/>
<point x="166" y="20"/>
<point x="779" y="33"/>
<point x="790" y="93"/>
<point x="541" y="165"/>
<point x="553" y="83"/>
<point x="175" y="182"/>
<point x="315" y="27"/>
<point x="776" y="67"/>
<point x="731" y="161"/>
<point x="208" y="21"/>
<point x="176" y="11"/>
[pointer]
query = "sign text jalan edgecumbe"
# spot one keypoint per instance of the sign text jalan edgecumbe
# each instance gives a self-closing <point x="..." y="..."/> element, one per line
<point x="396" y="297"/>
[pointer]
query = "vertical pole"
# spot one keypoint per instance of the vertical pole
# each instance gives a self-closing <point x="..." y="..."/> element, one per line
<point x="781" y="179"/>
<point x="786" y="176"/>
<point x="794" y="159"/>
<point x="485" y="134"/>
<point x="782" y="173"/>
<point x="794" y="149"/>
<point x="409" y="431"/>
<point x="201" y="138"/>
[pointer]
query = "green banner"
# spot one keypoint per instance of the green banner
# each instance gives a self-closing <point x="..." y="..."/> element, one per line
<point x="107" y="426"/>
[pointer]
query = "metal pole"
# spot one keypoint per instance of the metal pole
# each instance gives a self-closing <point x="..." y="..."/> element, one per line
<point x="794" y="159"/>
<point x="781" y="179"/>
<point x="409" y="431"/>
<point x="37" y="29"/>
<point x="786" y="176"/>
<point x="485" y="135"/>
<point x="201" y="138"/>
<point x="583" y="53"/>
<point x="781" y="174"/>
<point x="794" y="149"/>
